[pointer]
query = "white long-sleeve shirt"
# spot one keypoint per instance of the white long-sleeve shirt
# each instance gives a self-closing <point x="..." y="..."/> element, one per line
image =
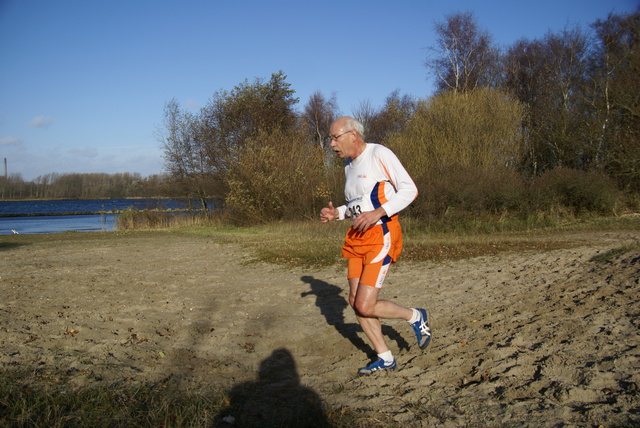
<point x="376" y="178"/>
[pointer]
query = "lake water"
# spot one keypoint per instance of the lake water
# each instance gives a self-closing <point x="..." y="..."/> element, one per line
<point x="71" y="215"/>
<point x="56" y="224"/>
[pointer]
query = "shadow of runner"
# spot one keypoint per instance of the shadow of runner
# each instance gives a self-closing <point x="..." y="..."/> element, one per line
<point x="276" y="399"/>
<point x="332" y="306"/>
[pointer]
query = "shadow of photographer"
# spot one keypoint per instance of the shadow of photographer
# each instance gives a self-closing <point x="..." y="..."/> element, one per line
<point x="332" y="305"/>
<point x="275" y="399"/>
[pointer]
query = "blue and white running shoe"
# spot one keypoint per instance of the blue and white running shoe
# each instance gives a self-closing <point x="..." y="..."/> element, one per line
<point x="421" y="329"/>
<point x="377" y="366"/>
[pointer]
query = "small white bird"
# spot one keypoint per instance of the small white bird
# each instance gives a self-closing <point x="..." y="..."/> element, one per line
<point x="15" y="232"/>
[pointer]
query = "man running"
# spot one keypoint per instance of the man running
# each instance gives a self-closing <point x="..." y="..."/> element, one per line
<point x="377" y="188"/>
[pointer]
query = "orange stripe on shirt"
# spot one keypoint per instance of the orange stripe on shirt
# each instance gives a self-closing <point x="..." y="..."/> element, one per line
<point x="382" y="197"/>
<point x="386" y="172"/>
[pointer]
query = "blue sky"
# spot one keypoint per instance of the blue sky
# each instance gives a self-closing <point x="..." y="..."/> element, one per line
<point x="83" y="83"/>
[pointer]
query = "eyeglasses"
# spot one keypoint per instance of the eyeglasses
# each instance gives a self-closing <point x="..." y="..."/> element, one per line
<point x="330" y="138"/>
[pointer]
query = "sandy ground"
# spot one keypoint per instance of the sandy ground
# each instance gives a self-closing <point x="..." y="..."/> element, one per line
<point x="530" y="339"/>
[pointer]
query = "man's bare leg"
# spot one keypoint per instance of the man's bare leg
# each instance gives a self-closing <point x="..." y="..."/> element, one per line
<point x="369" y="310"/>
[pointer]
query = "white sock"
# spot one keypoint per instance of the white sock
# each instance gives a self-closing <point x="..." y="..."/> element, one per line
<point x="387" y="357"/>
<point x="415" y="317"/>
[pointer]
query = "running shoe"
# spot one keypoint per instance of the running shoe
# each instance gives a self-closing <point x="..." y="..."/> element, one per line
<point x="421" y="329"/>
<point x="377" y="366"/>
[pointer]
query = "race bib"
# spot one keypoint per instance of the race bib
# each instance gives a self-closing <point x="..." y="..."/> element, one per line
<point x="359" y="205"/>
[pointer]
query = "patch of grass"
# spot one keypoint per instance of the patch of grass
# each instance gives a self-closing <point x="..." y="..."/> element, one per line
<point x="494" y="236"/>
<point x="300" y="244"/>
<point x="419" y="250"/>
<point x="313" y="244"/>
<point x="49" y="401"/>
<point x="59" y="405"/>
<point x="9" y="245"/>
<point x="608" y="256"/>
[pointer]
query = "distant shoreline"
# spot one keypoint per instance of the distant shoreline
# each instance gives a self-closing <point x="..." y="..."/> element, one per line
<point x="133" y="198"/>
<point x="175" y="210"/>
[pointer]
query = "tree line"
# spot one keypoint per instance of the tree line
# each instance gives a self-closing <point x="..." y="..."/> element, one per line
<point x="536" y="125"/>
<point x="580" y="90"/>
<point x="85" y="186"/>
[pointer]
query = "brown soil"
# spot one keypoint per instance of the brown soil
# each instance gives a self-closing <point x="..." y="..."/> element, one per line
<point x="537" y="338"/>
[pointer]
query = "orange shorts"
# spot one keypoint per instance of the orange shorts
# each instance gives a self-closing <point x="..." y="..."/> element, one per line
<point x="371" y="253"/>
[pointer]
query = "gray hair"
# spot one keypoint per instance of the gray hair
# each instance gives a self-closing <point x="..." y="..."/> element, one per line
<point x="351" y="124"/>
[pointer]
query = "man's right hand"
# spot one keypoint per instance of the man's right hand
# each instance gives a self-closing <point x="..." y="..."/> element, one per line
<point x="329" y="213"/>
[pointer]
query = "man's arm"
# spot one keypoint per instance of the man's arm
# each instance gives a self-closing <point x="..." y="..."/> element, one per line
<point x="406" y="190"/>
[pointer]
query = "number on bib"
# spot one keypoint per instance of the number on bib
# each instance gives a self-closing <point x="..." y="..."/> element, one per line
<point x="355" y="210"/>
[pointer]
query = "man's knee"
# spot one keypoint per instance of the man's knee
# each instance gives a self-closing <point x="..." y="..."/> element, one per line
<point x="365" y="309"/>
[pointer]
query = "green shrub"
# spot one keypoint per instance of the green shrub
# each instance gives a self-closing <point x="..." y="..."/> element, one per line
<point x="467" y="192"/>
<point x="481" y="129"/>
<point x="467" y="195"/>
<point x="577" y="191"/>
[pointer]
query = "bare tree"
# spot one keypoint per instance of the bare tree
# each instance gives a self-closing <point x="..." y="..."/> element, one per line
<point x="617" y="67"/>
<point x="184" y="153"/>
<point x="550" y="77"/>
<point x="464" y="57"/>
<point x="318" y="115"/>
<point x="365" y="112"/>
<point x="392" y="118"/>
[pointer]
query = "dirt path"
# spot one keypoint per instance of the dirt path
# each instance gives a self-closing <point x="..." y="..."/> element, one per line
<point x="536" y="338"/>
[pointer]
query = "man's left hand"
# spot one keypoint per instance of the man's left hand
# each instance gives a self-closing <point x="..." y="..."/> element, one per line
<point x="368" y="219"/>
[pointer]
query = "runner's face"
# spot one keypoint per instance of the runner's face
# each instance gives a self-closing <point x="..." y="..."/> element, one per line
<point x="342" y="142"/>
